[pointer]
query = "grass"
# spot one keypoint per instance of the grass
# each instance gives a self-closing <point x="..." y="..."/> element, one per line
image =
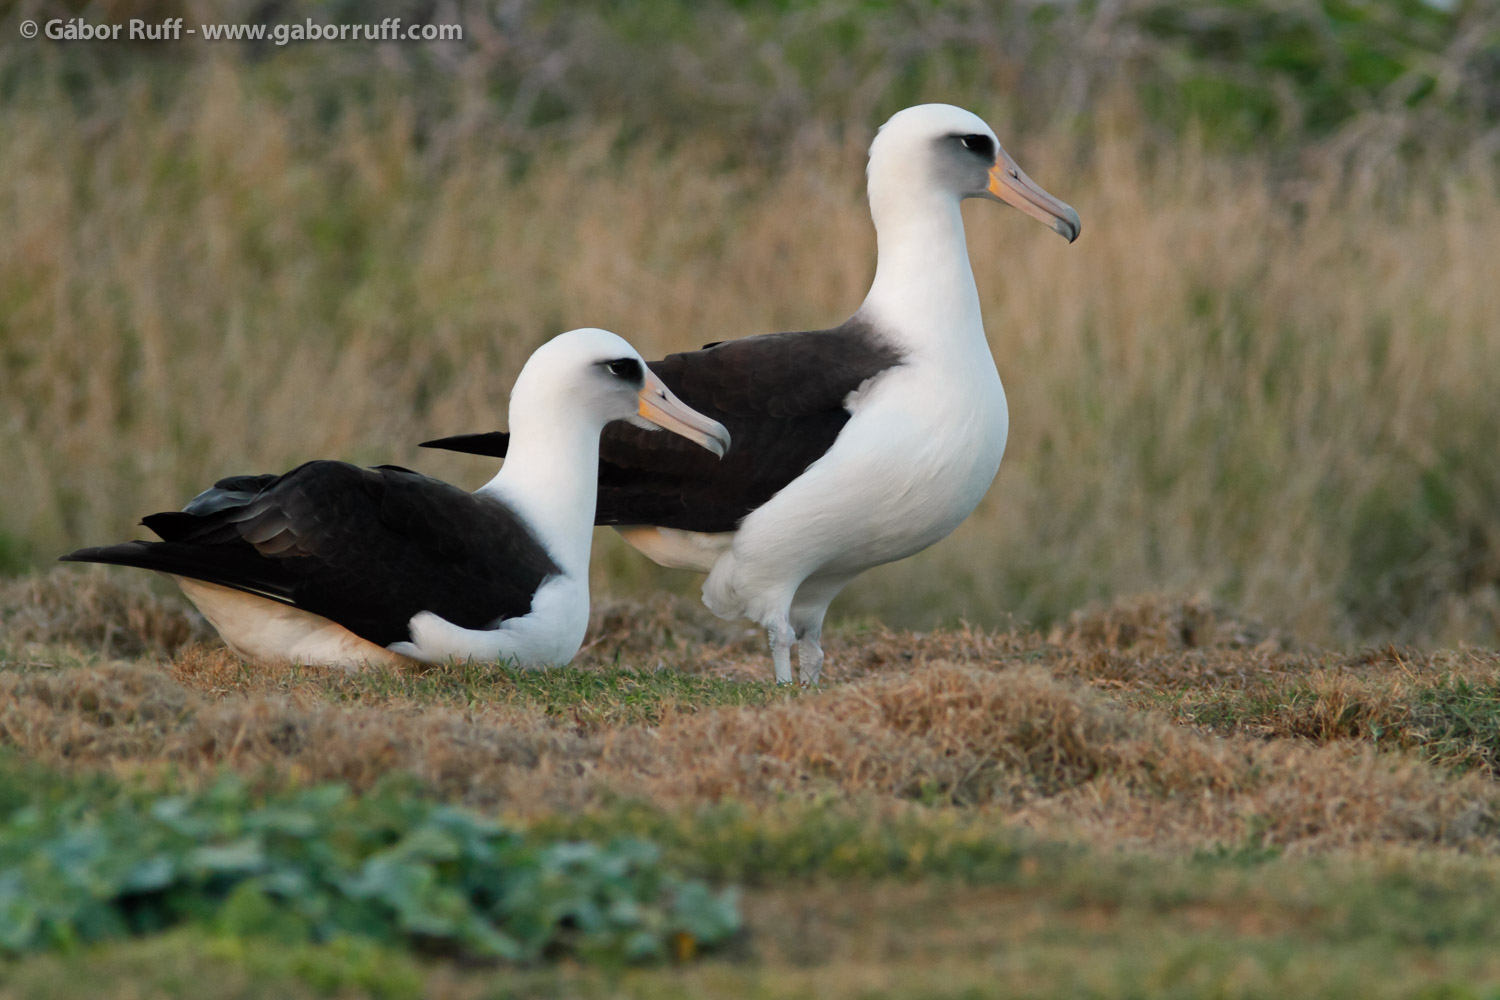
<point x="1450" y="715"/>
<point x="1261" y="384"/>
<point x="587" y="701"/>
<point x="961" y="812"/>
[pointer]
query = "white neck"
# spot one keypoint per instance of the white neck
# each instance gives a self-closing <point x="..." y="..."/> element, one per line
<point x="550" y="477"/>
<point x="923" y="294"/>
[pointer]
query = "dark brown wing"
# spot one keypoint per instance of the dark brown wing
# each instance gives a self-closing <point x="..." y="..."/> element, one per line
<point x="782" y="398"/>
<point x="366" y="548"/>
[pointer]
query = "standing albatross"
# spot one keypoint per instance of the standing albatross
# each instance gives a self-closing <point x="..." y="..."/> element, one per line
<point x="854" y="446"/>
<point x="338" y="565"/>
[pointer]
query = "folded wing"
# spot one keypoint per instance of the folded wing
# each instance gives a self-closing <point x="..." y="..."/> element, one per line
<point x="366" y="548"/>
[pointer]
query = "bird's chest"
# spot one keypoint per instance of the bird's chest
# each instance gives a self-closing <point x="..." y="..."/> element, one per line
<point x="918" y="454"/>
<point x="949" y="432"/>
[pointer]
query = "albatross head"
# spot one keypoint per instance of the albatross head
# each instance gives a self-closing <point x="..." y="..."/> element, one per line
<point x="938" y="147"/>
<point x="595" y="377"/>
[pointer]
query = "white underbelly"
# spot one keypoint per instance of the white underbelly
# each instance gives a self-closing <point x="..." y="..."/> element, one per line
<point x="901" y="476"/>
<point x="266" y="631"/>
<point x="855" y="518"/>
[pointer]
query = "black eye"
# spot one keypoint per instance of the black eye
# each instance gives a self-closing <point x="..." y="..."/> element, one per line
<point x="628" y="369"/>
<point x="981" y="144"/>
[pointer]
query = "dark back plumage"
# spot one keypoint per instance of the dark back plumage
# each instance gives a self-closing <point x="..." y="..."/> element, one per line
<point x="366" y="548"/>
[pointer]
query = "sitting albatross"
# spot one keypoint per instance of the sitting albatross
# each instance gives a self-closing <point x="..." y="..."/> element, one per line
<point x="854" y="446"/>
<point x="338" y="565"/>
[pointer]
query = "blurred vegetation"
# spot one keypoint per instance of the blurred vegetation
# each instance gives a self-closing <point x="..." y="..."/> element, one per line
<point x="319" y="864"/>
<point x="1262" y="372"/>
<point x="1371" y="77"/>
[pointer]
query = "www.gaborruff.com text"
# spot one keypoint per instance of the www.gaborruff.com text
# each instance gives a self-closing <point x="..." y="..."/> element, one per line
<point x="76" y="29"/>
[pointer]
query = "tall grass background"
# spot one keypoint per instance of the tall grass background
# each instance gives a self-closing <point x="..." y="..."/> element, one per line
<point x="1266" y="372"/>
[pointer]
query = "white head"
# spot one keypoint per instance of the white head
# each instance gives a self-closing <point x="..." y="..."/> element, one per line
<point x="938" y="148"/>
<point x="591" y="377"/>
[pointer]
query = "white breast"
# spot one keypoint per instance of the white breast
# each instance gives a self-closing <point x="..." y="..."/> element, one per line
<point x="916" y="457"/>
<point x="914" y="460"/>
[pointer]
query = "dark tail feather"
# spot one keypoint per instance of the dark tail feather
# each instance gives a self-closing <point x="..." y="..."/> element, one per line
<point x="493" y="444"/>
<point x="222" y="565"/>
<point x="125" y="554"/>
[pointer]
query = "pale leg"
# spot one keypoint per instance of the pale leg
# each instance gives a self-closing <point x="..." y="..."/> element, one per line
<point x="808" y="610"/>
<point x="779" y="632"/>
<point x="810" y="655"/>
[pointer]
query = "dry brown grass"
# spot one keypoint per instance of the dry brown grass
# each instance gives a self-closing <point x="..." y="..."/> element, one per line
<point x="1273" y="390"/>
<point x="1052" y="731"/>
<point x="106" y="613"/>
<point x="1057" y="756"/>
<point x="124" y="718"/>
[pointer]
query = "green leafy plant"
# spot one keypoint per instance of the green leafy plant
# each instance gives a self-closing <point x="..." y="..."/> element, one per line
<point x="318" y="864"/>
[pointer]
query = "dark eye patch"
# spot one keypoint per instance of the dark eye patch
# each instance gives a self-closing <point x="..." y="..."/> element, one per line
<point x="628" y="369"/>
<point x="980" y="144"/>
